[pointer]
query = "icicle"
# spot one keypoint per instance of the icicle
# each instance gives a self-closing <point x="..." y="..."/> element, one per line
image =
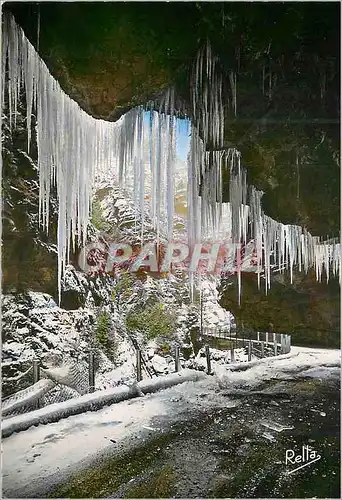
<point x="257" y="226"/>
<point x="66" y="156"/>
<point x="238" y="268"/>
<point x="208" y="122"/>
<point x="38" y="28"/>
<point x="158" y="174"/>
<point x="152" y="140"/>
<point x="142" y="174"/>
<point x="232" y="79"/>
<point x="194" y="163"/>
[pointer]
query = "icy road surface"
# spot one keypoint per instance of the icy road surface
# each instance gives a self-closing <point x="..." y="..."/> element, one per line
<point x="36" y="460"/>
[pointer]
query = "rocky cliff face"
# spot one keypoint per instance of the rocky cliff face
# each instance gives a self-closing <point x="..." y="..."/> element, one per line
<point x="29" y="253"/>
<point x="308" y="310"/>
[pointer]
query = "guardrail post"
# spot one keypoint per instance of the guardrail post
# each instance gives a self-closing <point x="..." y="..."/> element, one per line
<point x="262" y="349"/>
<point x="139" y="372"/>
<point x="36" y="371"/>
<point x="177" y="358"/>
<point x="207" y="355"/>
<point x="275" y="344"/>
<point x="232" y="355"/>
<point x="283" y="343"/>
<point x="249" y="350"/>
<point x="288" y="347"/>
<point x="91" y="370"/>
<point x="36" y="377"/>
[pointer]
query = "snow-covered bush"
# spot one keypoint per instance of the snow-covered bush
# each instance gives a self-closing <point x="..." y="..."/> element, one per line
<point x="154" y="321"/>
<point x="105" y="337"/>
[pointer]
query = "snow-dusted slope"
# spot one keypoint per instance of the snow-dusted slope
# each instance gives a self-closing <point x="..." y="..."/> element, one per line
<point x="35" y="327"/>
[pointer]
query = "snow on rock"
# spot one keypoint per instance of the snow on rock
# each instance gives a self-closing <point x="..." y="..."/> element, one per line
<point x="159" y="364"/>
<point x="29" y="319"/>
<point x="34" y="327"/>
<point x="213" y="314"/>
<point x="217" y="358"/>
<point x="81" y="290"/>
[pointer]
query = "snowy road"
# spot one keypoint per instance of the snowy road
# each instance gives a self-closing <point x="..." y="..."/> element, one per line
<point x="37" y="460"/>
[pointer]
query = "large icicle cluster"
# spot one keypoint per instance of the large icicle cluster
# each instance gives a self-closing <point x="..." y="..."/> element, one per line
<point x="70" y="142"/>
<point x="206" y="96"/>
<point x="206" y="143"/>
<point x="148" y="139"/>
<point x="141" y="149"/>
<point x="276" y="245"/>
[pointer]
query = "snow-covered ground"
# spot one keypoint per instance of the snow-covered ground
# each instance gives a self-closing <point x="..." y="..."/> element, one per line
<point x="307" y="362"/>
<point x="46" y="454"/>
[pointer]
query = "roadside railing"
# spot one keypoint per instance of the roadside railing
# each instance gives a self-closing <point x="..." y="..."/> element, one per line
<point x="54" y="385"/>
<point x="50" y="385"/>
<point x="263" y="344"/>
<point x="58" y="384"/>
